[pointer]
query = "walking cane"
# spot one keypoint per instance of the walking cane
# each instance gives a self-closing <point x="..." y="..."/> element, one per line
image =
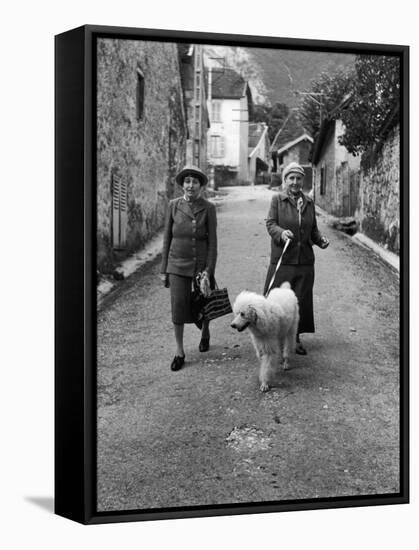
<point x="287" y="242"/>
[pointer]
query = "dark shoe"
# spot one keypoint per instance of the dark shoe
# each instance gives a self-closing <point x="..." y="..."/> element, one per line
<point x="177" y="362"/>
<point x="300" y="349"/>
<point x="204" y="344"/>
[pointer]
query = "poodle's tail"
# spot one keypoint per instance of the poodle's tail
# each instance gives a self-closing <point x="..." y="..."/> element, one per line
<point x="285" y="284"/>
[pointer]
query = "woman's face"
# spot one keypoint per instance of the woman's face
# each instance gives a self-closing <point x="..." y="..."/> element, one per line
<point x="294" y="182"/>
<point x="191" y="187"/>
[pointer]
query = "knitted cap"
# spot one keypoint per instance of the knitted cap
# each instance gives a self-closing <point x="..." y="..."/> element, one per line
<point x="292" y="167"/>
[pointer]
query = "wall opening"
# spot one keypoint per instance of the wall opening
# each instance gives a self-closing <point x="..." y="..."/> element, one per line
<point x="140" y="94"/>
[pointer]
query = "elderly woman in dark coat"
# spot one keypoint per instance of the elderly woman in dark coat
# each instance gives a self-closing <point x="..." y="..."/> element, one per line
<point x="189" y="247"/>
<point x="292" y="216"/>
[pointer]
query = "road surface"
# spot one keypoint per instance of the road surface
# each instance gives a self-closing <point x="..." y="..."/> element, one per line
<point x="206" y="434"/>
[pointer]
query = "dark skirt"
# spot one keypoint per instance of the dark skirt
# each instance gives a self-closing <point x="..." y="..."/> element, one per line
<point x="301" y="279"/>
<point x="181" y="299"/>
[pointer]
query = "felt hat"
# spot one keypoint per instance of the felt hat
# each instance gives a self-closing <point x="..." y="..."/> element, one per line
<point x="292" y="167"/>
<point x="190" y="170"/>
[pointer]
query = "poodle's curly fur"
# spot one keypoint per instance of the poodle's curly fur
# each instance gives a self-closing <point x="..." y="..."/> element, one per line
<point x="273" y="324"/>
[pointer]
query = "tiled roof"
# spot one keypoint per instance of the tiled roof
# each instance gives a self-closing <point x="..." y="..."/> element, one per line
<point x="227" y="84"/>
<point x="327" y="125"/>
<point x="289" y="144"/>
<point x="255" y="131"/>
<point x="290" y="130"/>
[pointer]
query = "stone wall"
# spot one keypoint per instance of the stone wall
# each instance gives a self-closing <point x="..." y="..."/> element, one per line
<point x="379" y="209"/>
<point x="145" y="152"/>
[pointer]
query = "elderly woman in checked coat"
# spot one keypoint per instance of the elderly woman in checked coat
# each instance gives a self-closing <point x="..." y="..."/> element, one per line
<point x="292" y="217"/>
<point x="189" y="247"/>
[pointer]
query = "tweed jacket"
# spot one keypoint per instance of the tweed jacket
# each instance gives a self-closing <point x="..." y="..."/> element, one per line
<point x="283" y="214"/>
<point x="190" y="237"/>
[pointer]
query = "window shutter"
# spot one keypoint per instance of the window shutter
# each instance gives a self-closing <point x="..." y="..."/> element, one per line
<point x="213" y="146"/>
<point x="115" y="210"/>
<point x="216" y="111"/>
<point x="123" y="214"/>
<point x="217" y="146"/>
<point x="119" y="212"/>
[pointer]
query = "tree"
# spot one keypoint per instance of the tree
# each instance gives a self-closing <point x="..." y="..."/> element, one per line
<point x="324" y="96"/>
<point x="372" y="87"/>
<point x="273" y="116"/>
<point x="259" y="113"/>
<point x="375" y="98"/>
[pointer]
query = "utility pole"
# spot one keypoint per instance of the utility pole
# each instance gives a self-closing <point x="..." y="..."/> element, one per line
<point x="319" y="103"/>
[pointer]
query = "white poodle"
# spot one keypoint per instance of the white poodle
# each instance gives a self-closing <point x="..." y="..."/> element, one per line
<point x="273" y="324"/>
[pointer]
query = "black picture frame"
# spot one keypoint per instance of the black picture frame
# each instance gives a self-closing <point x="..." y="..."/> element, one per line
<point x="75" y="275"/>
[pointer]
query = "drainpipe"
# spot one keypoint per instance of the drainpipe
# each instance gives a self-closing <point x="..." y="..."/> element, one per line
<point x="211" y="178"/>
<point x="209" y="95"/>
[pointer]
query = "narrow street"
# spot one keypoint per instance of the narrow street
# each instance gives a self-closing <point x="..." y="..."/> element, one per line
<point x="206" y="434"/>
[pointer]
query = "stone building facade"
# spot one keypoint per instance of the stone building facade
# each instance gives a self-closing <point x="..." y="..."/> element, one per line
<point x="344" y="186"/>
<point x="336" y="172"/>
<point x="378" y="211"/>
<point x="141" y="142"/>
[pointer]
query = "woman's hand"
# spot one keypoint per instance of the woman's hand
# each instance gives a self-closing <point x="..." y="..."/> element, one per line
<point x="324" y="243"/>
<point x="287" y="234"/>
<point x="164" y="277"/>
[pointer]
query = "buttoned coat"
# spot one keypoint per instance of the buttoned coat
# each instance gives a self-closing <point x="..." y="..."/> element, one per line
<point x="283" y="214"/>
<point x="190" y="237"/>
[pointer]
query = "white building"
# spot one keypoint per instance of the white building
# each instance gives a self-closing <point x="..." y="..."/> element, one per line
<point x="229" y="101"/>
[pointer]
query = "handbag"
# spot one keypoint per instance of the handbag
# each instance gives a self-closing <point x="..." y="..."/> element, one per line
<point x="211" y="305"/>
<point x="217" y="304"/>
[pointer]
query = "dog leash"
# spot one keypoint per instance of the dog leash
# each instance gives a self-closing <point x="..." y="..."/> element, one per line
<point x="287" y="242"/>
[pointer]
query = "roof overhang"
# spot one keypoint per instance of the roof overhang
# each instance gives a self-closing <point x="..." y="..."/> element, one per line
<point x="303" y="137"/>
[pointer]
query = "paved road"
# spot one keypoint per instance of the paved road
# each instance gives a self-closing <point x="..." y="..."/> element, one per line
<point x="206" y="434"/>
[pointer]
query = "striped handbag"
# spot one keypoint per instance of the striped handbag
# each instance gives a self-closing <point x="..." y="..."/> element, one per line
<point x="217" y="304"/>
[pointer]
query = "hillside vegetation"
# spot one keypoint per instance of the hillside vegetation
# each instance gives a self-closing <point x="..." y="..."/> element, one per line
<point x="275" y="75"/>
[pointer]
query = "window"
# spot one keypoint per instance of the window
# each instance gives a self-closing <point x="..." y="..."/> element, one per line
<point x="217" y="146"/>
<point x="140" y="94"/>
<point x="216" y="111"/>
<point x="119" y="212"/>
<point x="323" y="180"/>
